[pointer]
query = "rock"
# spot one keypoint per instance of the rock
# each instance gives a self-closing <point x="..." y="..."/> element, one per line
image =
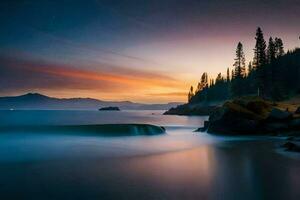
<point x="232" y="118"/>
<point x="275" y="127"/>
<point x="252" y="116"/>
<point x="295" y="123"/>
<point x="277" y="114"/>
<point x="289" y="146"/>
<point x="204" y="128"/>
<point x="110" y="108"/>
<point x="187" y="109"/>
<point x="290" y="138"/>
<point x="297" y="111"/>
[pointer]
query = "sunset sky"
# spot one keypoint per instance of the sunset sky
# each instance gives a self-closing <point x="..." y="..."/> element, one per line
<point x="143" y="51"/>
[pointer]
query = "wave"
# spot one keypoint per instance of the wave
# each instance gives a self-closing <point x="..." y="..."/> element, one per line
<point x="101" y="129"/>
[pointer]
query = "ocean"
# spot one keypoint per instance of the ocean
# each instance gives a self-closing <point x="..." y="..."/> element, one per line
<point x="180" y="164"/>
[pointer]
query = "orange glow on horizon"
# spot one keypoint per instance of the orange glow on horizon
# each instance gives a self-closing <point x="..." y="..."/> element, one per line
<point x="66" y="81"/>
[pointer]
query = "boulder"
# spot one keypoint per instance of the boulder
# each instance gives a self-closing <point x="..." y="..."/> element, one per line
<point x="279" y="115"/>
<point x="232" y="118"/>
<point x="204" y="128"/>
<point x="295" y="123"/>
<point x="297" y="111"/>
<point x="252" y="115"/>
<point x="291" y="138"/>
<point x="289" y="146"/>
<point x="275" y="127"/>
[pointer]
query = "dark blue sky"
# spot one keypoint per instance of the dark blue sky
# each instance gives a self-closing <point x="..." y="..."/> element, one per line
<point x="123" y="37"/>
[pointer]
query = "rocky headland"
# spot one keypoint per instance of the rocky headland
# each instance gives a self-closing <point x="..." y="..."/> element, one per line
<point x="253" y="116"/>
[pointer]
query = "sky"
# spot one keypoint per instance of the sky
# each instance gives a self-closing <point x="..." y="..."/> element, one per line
<point x="148" y="51"/>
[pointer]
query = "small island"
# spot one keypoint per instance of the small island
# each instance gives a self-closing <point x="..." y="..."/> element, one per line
<point x="110" y="108"/>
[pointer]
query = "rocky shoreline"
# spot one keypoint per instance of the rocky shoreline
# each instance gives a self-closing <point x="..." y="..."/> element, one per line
<point x="252" y="116"/>
<point x="190" y="110"/>
<point x="292" y="146"/>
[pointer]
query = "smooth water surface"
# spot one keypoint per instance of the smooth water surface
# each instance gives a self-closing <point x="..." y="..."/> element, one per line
<point x="180" y="164"/>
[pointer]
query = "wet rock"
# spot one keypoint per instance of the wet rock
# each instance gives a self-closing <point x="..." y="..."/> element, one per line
<point x="290" y="138"/>
<point x="277" y="114"/>
<point x="295" y="123"/>
<point x="297" y="111"/>
<point x="275" y="127"/>
<point x="289" y="146"/>
<point x="252" y="116"/>
<point x="233" y="118"/>
<point x="204" y="128"/>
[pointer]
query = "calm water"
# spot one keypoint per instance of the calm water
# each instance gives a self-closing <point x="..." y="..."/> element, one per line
<point x="178" y="165"/>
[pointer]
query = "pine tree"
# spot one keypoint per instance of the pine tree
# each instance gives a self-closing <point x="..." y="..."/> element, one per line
<point x="239" y="64"/>
<point x="228" y="76"/>
<point x="219" y="78"/>
<point x="260" y="49"/>
<point x="259" y="62"/>
<point x="191" y="94"/>
<point x="203" y="82"/>
<point x="271" y="51"/>
<point x="239" y="71"/>
<point x="198" y="88"/>
<point x="250" y="68"/>
<point x="279" y="50"/>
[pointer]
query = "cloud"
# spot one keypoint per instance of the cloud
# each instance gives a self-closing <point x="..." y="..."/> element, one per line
<point x="28" y="74"/>
<point x="170" y="94"/>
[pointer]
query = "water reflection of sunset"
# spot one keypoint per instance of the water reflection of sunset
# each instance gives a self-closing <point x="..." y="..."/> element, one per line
<point x="184" y="170"/>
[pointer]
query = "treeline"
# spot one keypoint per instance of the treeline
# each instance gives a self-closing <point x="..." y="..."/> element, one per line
<point x="272" y="74"/>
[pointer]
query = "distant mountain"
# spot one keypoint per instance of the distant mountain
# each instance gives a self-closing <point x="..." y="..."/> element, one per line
<point x="36" y="101"/>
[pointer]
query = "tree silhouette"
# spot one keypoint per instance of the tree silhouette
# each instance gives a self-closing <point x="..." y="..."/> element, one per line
<point x="260" y="49"/>
<point x="239" y="64"/>
<point x="191" y="94"/>
<point x="274" y="73"/>
<point x="227" y="76"/>
<point x="250" y="68"/>
<point x="271" y="51"/>
<point x="239" y="71"/>
<point x="279" y="50"/>
<point x="259" y="61"/>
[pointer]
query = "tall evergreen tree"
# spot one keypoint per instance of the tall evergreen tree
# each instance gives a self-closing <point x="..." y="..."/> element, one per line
<point x="204" y="81"/>
<point x="239" y="71"/>
<point x="277" y="80"/>
<point x="239" y="64"/>
<point x="228" y="76"/>
<point x="250" y="68"/>
<point x="279" y="50"/>
<point x="191" y="94"/>
<point x="219" y="78"/>
<point x="260" y="49"/>
<point x="271" y="51"/>
<point x="259" y="62"/>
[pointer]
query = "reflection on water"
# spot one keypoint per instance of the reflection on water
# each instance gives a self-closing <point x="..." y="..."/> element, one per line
<point x="183" y="174"/>
<point x="216" y="171"/>
<point x="179" y="165"/>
